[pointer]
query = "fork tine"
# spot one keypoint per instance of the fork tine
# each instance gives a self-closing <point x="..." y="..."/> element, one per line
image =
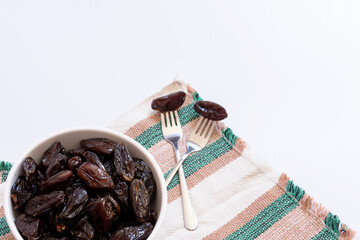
<point x="204" y="133"/>
<point x="162" y="120"/>
<point x="173" y="124"/>
<point x="198" y="124"/>
<point x="167" y="119"/>
<point x="210" y="130"/>
<point x="177" y="118"/>
<point x="200" y="132"/>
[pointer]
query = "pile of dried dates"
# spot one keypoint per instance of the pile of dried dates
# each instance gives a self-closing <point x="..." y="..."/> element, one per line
<point x="96" y="192"/>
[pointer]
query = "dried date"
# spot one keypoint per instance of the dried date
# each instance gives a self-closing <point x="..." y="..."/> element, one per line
<point x="28" y="226"/>
<point x="99" y="145"/>
<point x="76" y="202"/>
<point x="94" y="177"/>
<point x="30" y="169"/>
<point x="57" y="181"/>
<point x="210" y="110"/>
<point x="94" y="159"/>
<point x="140" y="199"/>
<point x="44" y="203"/>
<point x="102" y="213"/>
<point x="51" y="153"/>
<point x="169" y="102"/>
<point x="77" y="152"/>
<point x="82" y="230"/>
<point x="74" y="163"/>
<point x="133" y="232"/>
<point x="19" y="193"/>
<point x="123" y="163"/>
<point x="57" y="165"/>
<point x="121" y="190"/>
<point x="143" y="172"/>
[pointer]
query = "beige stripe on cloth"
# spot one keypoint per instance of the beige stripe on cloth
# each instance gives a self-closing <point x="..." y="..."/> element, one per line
<point x="298" y="224"/>
<point x="215" y="205"/>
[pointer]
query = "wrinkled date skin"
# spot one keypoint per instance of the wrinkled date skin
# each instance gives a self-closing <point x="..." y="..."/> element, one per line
<point x="57" y="181"/>
<point x="19" y="193"/>
<point x="82" y="230"/>
<point x="76" y="202"/>
<point x="133" y="232"/>
<point x="143" y="172"/>
<point x="30" y="168"/>
<point x="77" y="152"/>
<point x="44" y="203"/>
<point x="96" y="192"/>
<point x="74" y="163"/>
<point x="94" y="177"/>
<point x="57" y="165"/>
<point x="28" y="226"/>
<point x="124" y="164"/>
<point x="121" y="190"/>
<point x="169" y="102"/>
<point x="140" y="199"/>
<point x="99" y="145"/>
<point x="210" y="110"/>
<point x="102" y="213"/>
<point x="94" y="159"/>
<point x="77" y="198"/>
<point x="51" y="153"/>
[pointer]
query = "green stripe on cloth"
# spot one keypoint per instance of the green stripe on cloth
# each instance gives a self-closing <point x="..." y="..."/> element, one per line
<point x="4" y="169"/>
<point x="4" y="228"/>
<point x="265" y="219"/>
<point x="331" y="230"/>
<point x="326" y="234"/>
<point x="271" y="214"/>
<point x="202" y="158"/>
<point x="153" y="134"/>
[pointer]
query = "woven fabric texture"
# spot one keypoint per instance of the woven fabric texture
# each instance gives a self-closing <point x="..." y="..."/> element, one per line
<point x="235" y="195"/>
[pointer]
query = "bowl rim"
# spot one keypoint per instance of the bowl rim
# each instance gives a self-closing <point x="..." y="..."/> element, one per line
<point x="19" y="161"/>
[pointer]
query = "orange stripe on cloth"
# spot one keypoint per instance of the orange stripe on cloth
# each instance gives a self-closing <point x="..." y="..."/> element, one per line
<point x="144" y="124"/>
<point x="296" y="225"/>
<point x="2" y="214"/>
<point x="207" y="170"/>
<point x="247" y="214"/>
<point x="190" y="89"/>
<point x="8" y="236"/>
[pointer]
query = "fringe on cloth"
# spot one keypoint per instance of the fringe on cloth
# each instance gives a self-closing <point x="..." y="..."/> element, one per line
<point x="331" y="221"/>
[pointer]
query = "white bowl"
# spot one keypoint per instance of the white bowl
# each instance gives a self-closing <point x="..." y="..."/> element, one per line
<point x="71" y="140"/>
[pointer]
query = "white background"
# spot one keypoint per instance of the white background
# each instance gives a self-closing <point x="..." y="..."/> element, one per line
<point x="287" y="72"/>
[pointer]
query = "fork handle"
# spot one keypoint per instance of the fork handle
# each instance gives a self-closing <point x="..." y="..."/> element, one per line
<point x="189" y="151"/>
<point x="190" y="219"/>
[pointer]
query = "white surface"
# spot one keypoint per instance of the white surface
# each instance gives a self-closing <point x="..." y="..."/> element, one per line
<point x="71" y="139"/>
<point x="287" y="72"/>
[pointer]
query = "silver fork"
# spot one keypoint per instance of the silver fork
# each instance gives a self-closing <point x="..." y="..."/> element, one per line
<point x="171" y="128"/>
<point x="198" y="139"/>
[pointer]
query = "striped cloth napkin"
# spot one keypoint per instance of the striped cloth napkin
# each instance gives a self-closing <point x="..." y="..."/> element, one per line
<point x="235" y="195"/>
